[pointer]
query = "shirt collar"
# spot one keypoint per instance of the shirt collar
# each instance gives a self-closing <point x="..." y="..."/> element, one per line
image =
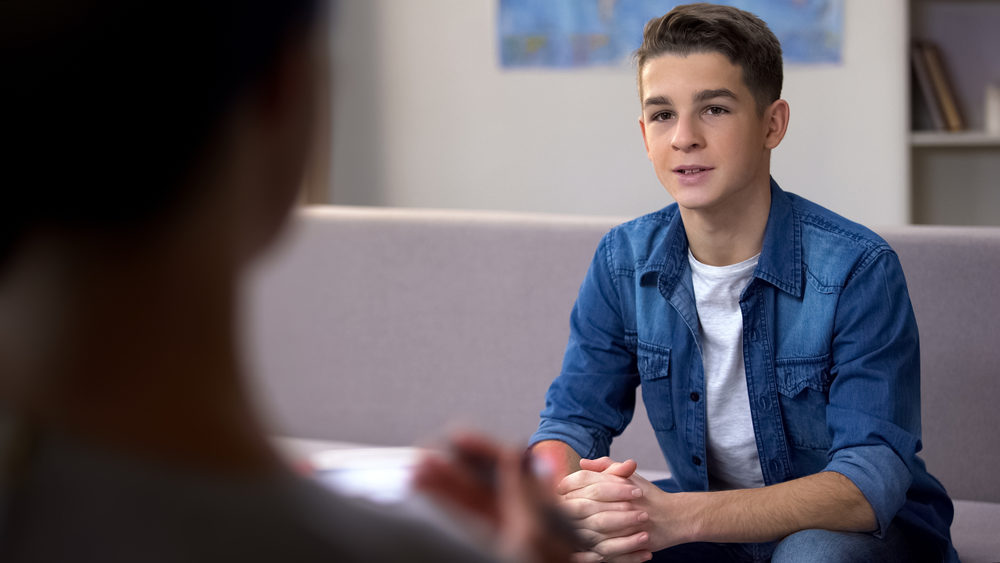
<point x="781" y="255"/>
<point x="780" y="262"/>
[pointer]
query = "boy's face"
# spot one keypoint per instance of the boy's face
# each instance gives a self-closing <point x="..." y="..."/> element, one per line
<point x="708" y="144"/>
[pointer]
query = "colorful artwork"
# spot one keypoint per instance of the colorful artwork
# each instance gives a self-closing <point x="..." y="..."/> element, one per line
<point x="584" y="33"/>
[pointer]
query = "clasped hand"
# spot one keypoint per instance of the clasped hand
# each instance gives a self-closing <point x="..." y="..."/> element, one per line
<point x="620" y="516"/>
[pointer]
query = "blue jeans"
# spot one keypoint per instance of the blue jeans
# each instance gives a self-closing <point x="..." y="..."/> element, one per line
<point x="807" y="546"/>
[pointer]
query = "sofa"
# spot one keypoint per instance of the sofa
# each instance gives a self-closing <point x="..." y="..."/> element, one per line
<point x="386" y="326"/>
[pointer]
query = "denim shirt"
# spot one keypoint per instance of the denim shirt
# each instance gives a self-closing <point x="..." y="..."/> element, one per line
<point x="829" y="343"/>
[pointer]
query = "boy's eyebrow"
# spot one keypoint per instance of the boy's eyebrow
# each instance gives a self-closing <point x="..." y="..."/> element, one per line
<point x="701" y="96"/>
<point x="656" y="101"/>
<point x="706" y="95"/>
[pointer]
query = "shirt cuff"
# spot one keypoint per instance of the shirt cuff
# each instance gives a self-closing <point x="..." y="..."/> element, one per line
<point x="585" y="442"/>
<point x="881" y="477"/>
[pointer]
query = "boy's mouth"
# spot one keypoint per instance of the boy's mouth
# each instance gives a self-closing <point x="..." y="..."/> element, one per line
<point x="691" y="169"/>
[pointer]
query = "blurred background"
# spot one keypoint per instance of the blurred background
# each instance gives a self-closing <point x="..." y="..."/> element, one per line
<point x="428" y="115"/>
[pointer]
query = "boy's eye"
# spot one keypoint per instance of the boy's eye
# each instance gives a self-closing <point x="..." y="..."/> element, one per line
<point x="662" y="115"/>
<point x="716" y="110"/>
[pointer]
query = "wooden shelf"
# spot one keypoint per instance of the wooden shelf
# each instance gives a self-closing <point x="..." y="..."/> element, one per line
<point x="955" y="176"/>
<point x="957" y="139"/>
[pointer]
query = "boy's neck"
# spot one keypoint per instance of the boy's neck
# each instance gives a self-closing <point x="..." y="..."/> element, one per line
<point x="731" y="234"/>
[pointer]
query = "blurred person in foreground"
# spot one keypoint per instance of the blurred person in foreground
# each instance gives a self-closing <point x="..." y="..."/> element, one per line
<point x="151" y="152"/>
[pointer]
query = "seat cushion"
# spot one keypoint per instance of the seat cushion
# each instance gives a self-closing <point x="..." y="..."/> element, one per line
<point x="975" y="532"/>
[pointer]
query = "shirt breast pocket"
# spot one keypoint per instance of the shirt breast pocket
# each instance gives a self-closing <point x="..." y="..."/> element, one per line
<point x="654" y="374"/>
<point x="804" y="387"/>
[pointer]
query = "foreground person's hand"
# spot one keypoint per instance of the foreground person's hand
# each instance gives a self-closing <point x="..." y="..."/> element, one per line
<point x="496" y="484"/>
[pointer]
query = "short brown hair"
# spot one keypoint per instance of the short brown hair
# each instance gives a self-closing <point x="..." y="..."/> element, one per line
<point x="708" y="28"/>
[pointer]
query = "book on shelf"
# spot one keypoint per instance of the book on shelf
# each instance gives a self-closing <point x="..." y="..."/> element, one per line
<point x="923" y="81"/>
<point x="935" y="86"/>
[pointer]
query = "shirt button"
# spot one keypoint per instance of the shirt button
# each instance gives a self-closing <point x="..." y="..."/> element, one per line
<point x="696" y="460"/>
<point x="695" y="396"/>
<point x="753" y="334"/>
<point x="763" y="403"/>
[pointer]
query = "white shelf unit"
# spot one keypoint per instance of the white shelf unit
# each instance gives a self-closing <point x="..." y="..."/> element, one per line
<point x="955" y="176"/>
<point x="957" y="139"/>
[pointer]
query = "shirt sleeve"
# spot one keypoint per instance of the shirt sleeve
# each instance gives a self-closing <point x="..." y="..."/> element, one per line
<point x="593" y="398"/>
<point x="874" y="407"/>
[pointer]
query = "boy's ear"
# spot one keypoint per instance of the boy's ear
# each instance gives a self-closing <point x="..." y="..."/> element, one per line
<point x="776" y="120"/>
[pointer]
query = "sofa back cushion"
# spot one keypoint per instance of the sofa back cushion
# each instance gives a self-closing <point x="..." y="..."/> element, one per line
<point x="384" y="326"/>
<point x="953" y="276"/>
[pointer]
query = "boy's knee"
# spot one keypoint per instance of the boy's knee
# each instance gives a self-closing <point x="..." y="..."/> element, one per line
<point x="829" y="547"/>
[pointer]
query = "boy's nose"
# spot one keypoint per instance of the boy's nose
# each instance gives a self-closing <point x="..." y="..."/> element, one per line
<point x="687" y="136"/>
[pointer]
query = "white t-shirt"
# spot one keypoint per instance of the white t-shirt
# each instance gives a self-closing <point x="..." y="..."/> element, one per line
<point x="733" y="462"/>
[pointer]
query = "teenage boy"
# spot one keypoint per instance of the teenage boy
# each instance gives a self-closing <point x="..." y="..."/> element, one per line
<point x="773" y="340"/>
<point x="151" y="152"/>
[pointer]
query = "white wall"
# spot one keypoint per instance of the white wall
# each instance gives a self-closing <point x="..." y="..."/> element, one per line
<point x="425" y="117"/>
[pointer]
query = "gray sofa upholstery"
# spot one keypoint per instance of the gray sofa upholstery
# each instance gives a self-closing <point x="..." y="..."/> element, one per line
<point x="383" y="326"/>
